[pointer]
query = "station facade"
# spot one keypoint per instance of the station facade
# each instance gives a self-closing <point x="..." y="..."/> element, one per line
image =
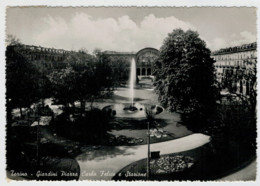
<point x="144" y="61"/>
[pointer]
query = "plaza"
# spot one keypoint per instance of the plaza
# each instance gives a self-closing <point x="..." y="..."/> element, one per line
<point x="151" y="98"/>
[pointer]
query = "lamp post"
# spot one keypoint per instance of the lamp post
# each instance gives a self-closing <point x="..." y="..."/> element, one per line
<point x="38" y="139"/>
<point x="150" y="118"/>
<point x="148" y="150"/>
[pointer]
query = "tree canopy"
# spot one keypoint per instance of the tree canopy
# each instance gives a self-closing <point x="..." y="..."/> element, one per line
<point x="184" y="73"/>
<point x="22" y="81"/>
<point x="85" y="78"/>
<point x="63" y="83"/>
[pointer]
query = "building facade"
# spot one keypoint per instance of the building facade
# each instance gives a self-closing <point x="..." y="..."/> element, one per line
<point x="49" y="58"/>
<point x="144" y="61"/>
<point x="235" y="67"/>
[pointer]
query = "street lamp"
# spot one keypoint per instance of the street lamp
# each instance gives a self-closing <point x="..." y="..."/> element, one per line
<point x="37" y="114"/>
<point x="148" y="150"/>
<point x="150" y="118"/>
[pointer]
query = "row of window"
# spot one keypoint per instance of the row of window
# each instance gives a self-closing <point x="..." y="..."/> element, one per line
<point x="223" y="72"/>
<point x="40" y="49"/>
<point x="46" y="57"/>
<point x="233" y="63"/>
<point x="144" y="71"/>
<point x="240" y="55"/>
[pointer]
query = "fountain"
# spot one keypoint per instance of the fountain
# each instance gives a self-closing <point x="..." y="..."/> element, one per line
<point x="132" y="81"/>
<point x="132" y="109"/>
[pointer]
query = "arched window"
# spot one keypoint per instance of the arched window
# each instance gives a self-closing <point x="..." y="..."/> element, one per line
<point x="143" y="72"/>
<point x="148" y="71"/>
<point x="138" y="71"/>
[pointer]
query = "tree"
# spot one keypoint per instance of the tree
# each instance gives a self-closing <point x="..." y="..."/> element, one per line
<point x="63" y="86"/>
<point x="86" y="88"/>
<point x="184" y="74"/>
<point x="120" y="68"/>
<point x="44" y="87"/>
<point x="22" y="86"/>
<point x="97" y="52"/>
<point x="80" y="60"/>
<point x="92" y="76"/>
<point x="249" y="74"/>
<point x="84" y="65"/>
<point x="12" y="40"/>
<point x="97" y="79"/>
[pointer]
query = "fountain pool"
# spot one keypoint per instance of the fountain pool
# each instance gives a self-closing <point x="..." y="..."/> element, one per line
<point x="129" y="110"/>
<point x="132" y="109"/>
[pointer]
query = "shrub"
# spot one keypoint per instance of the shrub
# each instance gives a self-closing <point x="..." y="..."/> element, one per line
<point x="90" y="127"/>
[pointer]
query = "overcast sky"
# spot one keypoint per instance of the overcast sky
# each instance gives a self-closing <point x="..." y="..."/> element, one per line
<point x="128" y="29"/>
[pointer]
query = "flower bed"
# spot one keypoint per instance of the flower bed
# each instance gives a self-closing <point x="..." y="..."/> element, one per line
<point x="171" y="164"/>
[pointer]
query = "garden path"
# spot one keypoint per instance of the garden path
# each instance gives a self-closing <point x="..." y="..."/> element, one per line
<point x="104" y="163"/>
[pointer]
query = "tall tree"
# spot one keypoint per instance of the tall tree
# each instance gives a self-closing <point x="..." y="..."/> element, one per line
<point x="93" y="76"/>
<point x="249" y="74"/>
<point x="119" y="67"/>
<point x="184" y="71"/>
<point x="22" y="86"/>
<point x="84" y="66"/>
<point x="63" y="86"/>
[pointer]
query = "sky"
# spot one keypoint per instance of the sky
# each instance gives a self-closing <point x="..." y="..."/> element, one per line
<point x="128" y="29"/>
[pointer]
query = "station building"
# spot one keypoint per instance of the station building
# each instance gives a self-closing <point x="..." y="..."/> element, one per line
<point x="144" y="61"/>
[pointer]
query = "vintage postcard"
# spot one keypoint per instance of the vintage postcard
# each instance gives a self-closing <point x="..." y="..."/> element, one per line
<point x="131" y="93"/>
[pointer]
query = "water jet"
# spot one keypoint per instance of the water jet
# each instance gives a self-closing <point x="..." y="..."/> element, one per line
<point x="132" y="109"/>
